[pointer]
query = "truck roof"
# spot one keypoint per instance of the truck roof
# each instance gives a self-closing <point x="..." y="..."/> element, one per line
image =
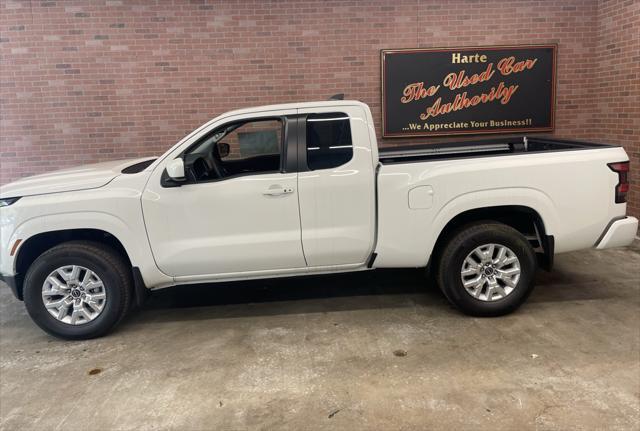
<point x="297" y="105"/>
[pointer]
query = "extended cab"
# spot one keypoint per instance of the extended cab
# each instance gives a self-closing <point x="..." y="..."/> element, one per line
<point x="297" y="189"/>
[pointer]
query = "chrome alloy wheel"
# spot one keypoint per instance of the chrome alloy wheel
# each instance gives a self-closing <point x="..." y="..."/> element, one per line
<point x="74" y="295"/>
<point x="490" y="272"/>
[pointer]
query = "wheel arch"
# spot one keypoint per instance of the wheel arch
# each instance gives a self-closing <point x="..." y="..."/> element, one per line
<point x="31" y="248"/>
<point x="522" y="218"/>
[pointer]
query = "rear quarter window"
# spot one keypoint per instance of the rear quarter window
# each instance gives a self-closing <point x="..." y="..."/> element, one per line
<point x="329" y="142"/>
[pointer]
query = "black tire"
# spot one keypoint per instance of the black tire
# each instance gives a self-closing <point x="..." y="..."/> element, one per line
<point x="463" y="242"/>
<point x="105" y="263"/>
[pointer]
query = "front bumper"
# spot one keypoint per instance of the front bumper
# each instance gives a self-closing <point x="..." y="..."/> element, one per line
<point x="619" y="233"/>
<point x="15" y="283"/>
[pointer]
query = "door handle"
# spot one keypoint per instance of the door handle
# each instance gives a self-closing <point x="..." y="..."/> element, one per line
<point x="278" y="190"/>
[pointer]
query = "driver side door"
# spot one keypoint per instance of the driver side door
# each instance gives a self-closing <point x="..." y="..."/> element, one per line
<point x="243" y="223"/>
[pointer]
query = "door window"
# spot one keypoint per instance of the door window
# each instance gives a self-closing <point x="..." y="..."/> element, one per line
<point x="234" y="149"/>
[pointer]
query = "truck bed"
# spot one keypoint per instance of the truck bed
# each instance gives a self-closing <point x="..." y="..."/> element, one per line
<point x="482" y="148"/>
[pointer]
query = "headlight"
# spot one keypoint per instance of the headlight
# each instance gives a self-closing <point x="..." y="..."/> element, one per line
<point x="5" y="202"/>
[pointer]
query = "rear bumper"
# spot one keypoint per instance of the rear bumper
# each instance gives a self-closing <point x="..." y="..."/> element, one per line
<point x="14" y="282"/>
<point x="620" y="233"/>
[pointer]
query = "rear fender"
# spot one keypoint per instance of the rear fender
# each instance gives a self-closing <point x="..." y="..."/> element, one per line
<point x="534" y="199"/>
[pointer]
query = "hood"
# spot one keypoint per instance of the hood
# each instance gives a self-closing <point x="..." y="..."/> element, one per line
<point x="67" y="180"/>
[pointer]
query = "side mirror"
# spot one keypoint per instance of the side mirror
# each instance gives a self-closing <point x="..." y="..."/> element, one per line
<point x="223" y="149"/>
<point x="175" y="169"/>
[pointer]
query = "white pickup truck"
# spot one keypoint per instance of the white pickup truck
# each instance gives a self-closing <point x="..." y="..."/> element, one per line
<point x="298" y="189"/>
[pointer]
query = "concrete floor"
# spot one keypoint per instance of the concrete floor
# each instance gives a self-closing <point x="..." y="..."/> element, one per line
<point x="319" y="354"/>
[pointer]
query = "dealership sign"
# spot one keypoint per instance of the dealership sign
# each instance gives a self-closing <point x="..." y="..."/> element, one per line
<point x="455" y="91"/>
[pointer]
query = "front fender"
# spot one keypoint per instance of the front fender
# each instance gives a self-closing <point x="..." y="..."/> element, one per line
<point x="133" y="240"/>
<point x="106" y="222"/>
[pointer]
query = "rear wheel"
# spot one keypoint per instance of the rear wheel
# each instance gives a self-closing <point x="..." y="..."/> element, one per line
<point x="78" y="290"/>
<point x="487" y="269"/>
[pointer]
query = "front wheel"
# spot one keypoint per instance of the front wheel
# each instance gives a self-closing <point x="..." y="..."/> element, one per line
<point x="77" y="290"/>
<point x="487" y="269"/>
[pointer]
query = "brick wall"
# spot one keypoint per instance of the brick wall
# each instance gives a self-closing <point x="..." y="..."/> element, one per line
<point x="616" y="86"/>
<point x="88" y="81"/>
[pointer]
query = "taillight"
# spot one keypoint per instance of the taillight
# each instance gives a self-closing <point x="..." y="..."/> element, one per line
<point x="622" y="188"/>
